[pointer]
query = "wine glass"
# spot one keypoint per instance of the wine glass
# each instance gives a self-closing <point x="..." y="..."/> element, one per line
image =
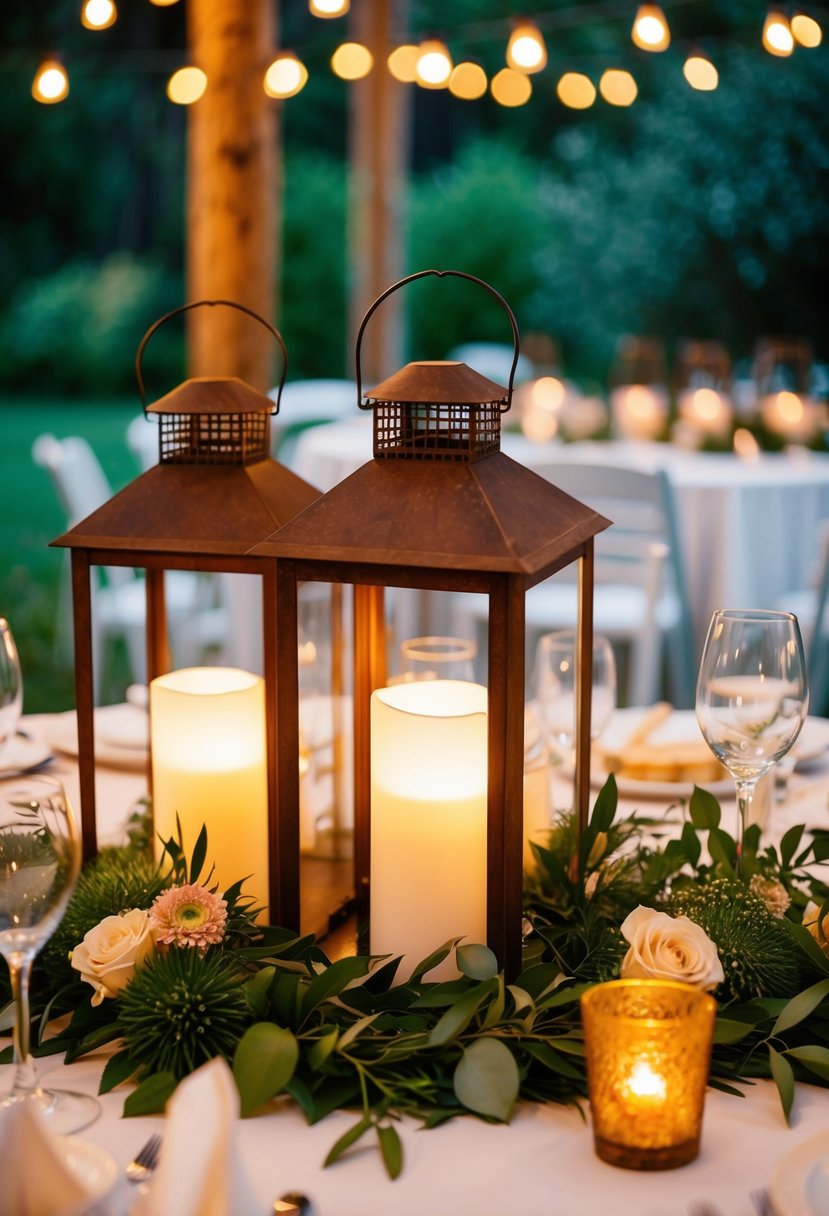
<point x="556" y="657"/>
<point x="40" y="857"/>
<point x="437" y="658"/>
<point x="752" y="696"/>
<point x="11" y="685"/>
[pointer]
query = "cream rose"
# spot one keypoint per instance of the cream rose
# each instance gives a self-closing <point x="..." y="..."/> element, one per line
<point x="817" y="926"/>
<point x="664" y="947"/>
<point x="109" y="954"/>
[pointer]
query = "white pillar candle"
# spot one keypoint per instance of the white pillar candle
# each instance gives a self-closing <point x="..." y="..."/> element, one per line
<point x="428" y="819"/>
<point x="638" y="411"/>
<point x="796" y="418"/>
<point x="207" y="728"/>
<point x="706" y="410"/>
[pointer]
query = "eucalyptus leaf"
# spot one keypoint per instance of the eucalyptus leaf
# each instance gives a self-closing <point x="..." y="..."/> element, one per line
<point x="151" y="1096"/>
<point x="487" y="1080"/>
<point x="356" y="1029"/>
<point x="704" y="809"/>
<point x="263" y="1064"/>
<point x="319" y="1051"/>
<point x="198" y="855"/>
<point x="433" y="960"/>
<point x="256" y="991"/>
<point x="476" y="961"/>
<point x="789" y="843"/>
<point x="816" y="1059"/>
<point x="604" y="809"/>
<point x="722" y="849"/>
<point x="459" y="1015"/>
<point x="347" y="1139"/>
<point x="800" y="1006"/>
<point x="391" y="1149"/>
<point x="781" y="1071"/>
<point x="333" y="980"/>
<point x="521" y="998"/>
<point x="726" y="1030"/>
<point x="552" y="1061"/>
<point x="118" y="1068"/>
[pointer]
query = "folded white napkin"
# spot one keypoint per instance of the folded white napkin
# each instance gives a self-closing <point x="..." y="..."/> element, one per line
<point x="35" y="1176"/>
<point x="199" y="1172"/>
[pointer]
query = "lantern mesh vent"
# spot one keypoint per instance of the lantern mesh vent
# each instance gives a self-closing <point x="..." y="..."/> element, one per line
<point x="236" y="439"/>
<point x="425" y="431"/>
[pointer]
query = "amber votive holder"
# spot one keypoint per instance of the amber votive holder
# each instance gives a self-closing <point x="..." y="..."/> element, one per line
<point x="648" y="1046"/>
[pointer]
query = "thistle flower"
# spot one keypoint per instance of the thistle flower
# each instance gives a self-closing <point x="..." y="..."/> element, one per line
<point x="189" y="916"/>
<point x="773" y="894"/>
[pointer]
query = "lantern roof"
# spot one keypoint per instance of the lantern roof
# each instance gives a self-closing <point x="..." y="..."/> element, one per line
<point x="490" y="515"/>
<point x="436" y="381"/>
<point x="209" y="510"/>
<point x="212" y="395"/>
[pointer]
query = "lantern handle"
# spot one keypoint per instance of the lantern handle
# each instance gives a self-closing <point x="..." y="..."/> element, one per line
<point x="139" y="375"/>
<point x="420" y="274"/>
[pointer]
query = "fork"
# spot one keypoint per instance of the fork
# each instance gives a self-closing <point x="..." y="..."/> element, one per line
<point x="145" y="1161"/>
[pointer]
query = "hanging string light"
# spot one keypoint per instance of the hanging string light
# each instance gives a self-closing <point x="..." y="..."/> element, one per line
<point x="286" y="76"/>
<point x="98" y="14"/>
<point x="51" y="83"/>
<point x="352" y="61"/>
<point x="526" y="51"/>
<point x="511" y="88"/>
<point x="806" y="30"/>
<point x="402" y="63"/>
<point x="700" y="72"/>
<point x="618" y="87"/>
<point x="186" y="85"/>
<point x="468" y="81"/>
<point x="434" y="64"/>
<point x="328" y="8"/>
<point x="576" y="91"/>
<point x="777" y="33"/>
<point x="650" y="28"/>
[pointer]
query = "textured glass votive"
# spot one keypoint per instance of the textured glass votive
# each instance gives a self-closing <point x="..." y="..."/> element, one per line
<point x="648" y="1051"/>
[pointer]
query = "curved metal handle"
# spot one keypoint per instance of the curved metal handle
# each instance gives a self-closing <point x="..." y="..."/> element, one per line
<point x="210" y="304"/>
<point x="420" y="274"/>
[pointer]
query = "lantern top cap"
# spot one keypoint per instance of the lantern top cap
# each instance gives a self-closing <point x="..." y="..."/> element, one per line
<point x="438" y="381"/>
<point x="212" y="395"/>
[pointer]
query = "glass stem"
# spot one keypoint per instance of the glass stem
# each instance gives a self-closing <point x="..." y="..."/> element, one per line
<point x="745" y="793"/>
<point x="25" y="1074"/>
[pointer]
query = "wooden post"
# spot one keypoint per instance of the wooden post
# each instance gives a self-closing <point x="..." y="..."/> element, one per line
<point x="232" y="205"/>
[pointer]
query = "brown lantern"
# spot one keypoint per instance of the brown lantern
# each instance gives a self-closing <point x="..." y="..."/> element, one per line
<point x="214" y="493"/>
<point x="440" y="508"/>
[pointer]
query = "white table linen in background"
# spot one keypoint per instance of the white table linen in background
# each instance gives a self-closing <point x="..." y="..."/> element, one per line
<point x="749" y="527"/>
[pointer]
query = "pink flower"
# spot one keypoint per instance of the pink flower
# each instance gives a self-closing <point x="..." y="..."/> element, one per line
<point x="188" y="916"/>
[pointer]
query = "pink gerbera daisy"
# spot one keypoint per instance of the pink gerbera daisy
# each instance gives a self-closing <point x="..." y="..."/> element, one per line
<point x="188" y="916"/>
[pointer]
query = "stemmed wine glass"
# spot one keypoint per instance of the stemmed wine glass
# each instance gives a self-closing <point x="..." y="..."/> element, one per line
<point x="555" y="687"/>
<point x="437" y="658"/>
<point x="11" y="685"/>
<point x="40" y="857"/>
<point x="752" y="695"/>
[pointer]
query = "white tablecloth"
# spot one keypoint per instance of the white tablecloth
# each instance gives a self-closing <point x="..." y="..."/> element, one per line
<point x="749" y="527"/>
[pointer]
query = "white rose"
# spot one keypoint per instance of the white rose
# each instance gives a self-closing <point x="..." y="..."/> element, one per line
<point x="664" y="947"/>
<point x="817" y="926"/>
<point x="109" y="954"/>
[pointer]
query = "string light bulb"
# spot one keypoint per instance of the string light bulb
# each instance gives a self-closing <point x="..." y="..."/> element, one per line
<point x="777" y="33"/>
<point x="402" y="63"/>
<point x="511" y="88"/>
<point x="618" y="87"/>
<point x="434" y="64"/>
<point x="328" y="8"/>
<point x="526" y="51"/>
<point x="186" y="85"/>
<point x="468" y="81"/>
<point x="98" y="14"/>
<point x="163" y="3"/>
<point x="576" y="91"/>
<point x="286" y="76"/>
<point x="650" y="29"/>
<point x="51" y="83"/>
<point x="806" y="31"/>
<point x="352" y="61"/>
<point x="700" y="72"/>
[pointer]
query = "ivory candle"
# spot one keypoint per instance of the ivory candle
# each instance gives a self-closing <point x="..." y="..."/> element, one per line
<point x="207" y="727"/>
<point x="706" y="410"/>
<point x="428" y="819"/>
<point x="638" y="411"/>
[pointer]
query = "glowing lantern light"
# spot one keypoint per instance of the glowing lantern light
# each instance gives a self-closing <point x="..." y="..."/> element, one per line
<point x="511" y="88"/>
<point x="526" y="51"/>
<point x="777" y="34"/>
<point x="700" y="73"/>
<point x="650" y="28"/>
<point x="186" y="86"/>
<point x="576" y="91"/>
<point x="806" y="30"/>
<point x="328" y="8"/>
<point x="51" y="83"/>
<point x="352" y="61"/>
<point x="163" y="3"/>
<point x="618" y="87"/>
<point x="402" y="63"/>
<point x="468" y="81"/>
<point x="286" y="76"/>
<point x="98" y="14"/>
<point x="434" y="64"/>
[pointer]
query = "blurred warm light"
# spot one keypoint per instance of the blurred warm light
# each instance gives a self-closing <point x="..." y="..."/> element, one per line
<point x="576" y="91"/>
<point x="777" y="33"/>
<point x="700" y="73"/>
<point x="352" y="61"/>
<point x="402" y="63"/>
<point x="650" y="28"/>
<point x="468" y="81"/>
<point x="434" y="64"/>
<point x="51" y="83"/>
<point x="286" y="76"/>
<point x="329" y="8"/>
<point x="745" y="445"/>
<point x="186" y="86"/>
<point x="511" y="88"/>
<point x="618" y="87"/>
<point x="98" y="14"/>
<point x="163" y="3"/>
<point x="526" y="51"/>
<point x="806" y="30"/>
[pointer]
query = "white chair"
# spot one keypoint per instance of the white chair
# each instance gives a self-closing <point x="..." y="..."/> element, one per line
<point x="810" y="605"/>
<point x="118" y="593"/>
<point x="142" y="441"/>
<point x="640" y="601"/>
<point x="307" y="403"/>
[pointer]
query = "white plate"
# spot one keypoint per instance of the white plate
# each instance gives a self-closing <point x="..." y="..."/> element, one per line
<point x="22" y="754"/>
<point x="680" y="727"/>
<point x="812" y="742"/>
<point x="95" y="1170"/>
<point x="119" y="742"/>
<point x="788" y="1187"/>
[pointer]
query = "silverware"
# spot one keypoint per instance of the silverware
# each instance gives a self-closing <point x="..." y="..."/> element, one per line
<point x="761" y="1201"/>
<point x="145" y="1161"/>
<point x="293" y="1203"/>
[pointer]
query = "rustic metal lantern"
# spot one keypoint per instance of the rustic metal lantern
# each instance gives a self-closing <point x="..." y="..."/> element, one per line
<point x="440" y="507"/>
<point x="214" y="493"/>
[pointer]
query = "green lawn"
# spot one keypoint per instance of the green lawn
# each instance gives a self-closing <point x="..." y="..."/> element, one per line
<point x="31" y="516"/>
